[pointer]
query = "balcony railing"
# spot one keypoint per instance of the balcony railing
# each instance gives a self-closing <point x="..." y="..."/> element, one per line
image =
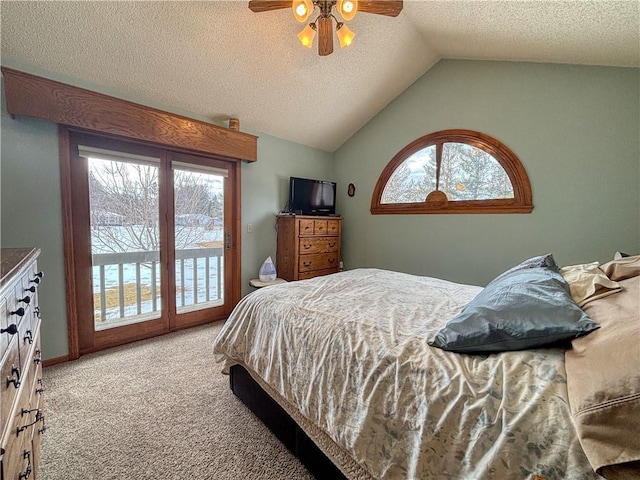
<point x="127" y="285"/>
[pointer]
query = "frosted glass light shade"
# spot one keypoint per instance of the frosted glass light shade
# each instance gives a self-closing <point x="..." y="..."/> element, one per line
<point x="347" y="9"/>
<point x="345" y="35"/>
<point x="302" y="9"/>
<point x="306" y="36"/>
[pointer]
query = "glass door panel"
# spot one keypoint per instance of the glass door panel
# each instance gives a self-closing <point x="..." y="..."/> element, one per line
<point x="199" y="237"/>
<point x="125" y="239"/>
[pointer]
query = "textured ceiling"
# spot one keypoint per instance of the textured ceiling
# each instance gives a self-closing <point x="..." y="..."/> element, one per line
<point x="217" y="59"/>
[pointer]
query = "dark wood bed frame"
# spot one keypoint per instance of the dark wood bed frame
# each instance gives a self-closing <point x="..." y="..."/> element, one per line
<point x="282" y="425"/>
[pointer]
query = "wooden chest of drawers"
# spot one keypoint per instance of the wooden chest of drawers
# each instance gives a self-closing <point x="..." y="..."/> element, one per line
<point x="21" y="402"/>
<point x="308" y="246"/>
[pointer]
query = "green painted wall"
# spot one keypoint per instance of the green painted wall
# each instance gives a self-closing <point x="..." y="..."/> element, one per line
<point x="576" y="130"/>
<point x="31" y="213"/>
<point x="265" y="188"/>
<point x="31" y="206"/>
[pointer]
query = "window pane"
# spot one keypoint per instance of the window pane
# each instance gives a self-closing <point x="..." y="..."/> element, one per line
<point x="123" y="199"/>
<point x="199" y="244"/>
<point x="413" y="179"/>
<point x="468" y="173"/>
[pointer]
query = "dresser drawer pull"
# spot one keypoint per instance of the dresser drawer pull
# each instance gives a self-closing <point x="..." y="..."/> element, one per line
<point x="39" y="417"/>
<point x="40" y="390"/>
<point x="15" y="372"/>
<point x="307" y="246"/>
<point x="37" y="357"/>
<point x="307" y="263"/>
<point x="36" y="311"/>
<point x="332" y="244"/>
<point x="11" y="329"/>
<point x="331" y="260"/>
<point x="19" y="312"/>
<point x="31" y="289"/>
<point x="28" y="337"/>
<point x="27" y="472"/>
<point x="26" y="299"/>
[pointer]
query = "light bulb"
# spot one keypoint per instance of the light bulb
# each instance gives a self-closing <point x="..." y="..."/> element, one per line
<point x="302" y="9"/>
<point x="347" y="8"/>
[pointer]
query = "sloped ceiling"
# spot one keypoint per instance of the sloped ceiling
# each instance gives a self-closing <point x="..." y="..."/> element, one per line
<point x="217" y="59"/>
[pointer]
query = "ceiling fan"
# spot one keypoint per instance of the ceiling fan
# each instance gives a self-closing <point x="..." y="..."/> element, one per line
<point x="323" y="24"/>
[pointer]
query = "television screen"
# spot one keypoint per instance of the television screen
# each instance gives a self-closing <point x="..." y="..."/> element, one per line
<point x="312" y="197"/>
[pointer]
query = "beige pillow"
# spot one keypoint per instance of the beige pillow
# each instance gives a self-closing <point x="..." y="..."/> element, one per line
<point x="621" y="268"/>
<point x="587" y="282"/>
<point x="603" y="380"/>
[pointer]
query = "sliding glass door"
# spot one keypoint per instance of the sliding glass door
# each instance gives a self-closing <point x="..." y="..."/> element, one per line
<point x="153" y="237"/>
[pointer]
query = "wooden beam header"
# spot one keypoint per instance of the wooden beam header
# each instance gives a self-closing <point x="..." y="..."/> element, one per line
<point x="39" y="97"/>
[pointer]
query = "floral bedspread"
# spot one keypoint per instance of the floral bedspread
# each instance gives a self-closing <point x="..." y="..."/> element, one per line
<point x="349" y="353"/>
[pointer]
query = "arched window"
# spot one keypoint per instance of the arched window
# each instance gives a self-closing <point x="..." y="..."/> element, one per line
<point x="453" y="171"/>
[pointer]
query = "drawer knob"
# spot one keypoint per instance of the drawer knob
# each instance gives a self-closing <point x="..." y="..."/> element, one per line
<point x="26" y="299"/>
<point x="37" y="277"/>
<point x="331" y="260"/>
<point x="28" y="337"/>
<point x="37" y="358"/>
<point x="36" y="311"/>
<point x="11" y="329"/>
<point x="31" y="289"/>
<point x="19" y="312"/>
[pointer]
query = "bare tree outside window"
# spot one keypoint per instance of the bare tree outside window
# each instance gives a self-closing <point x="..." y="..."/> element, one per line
<point x="453" y="171"/>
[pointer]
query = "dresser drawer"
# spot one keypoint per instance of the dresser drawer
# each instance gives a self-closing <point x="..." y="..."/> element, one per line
<point x="306" y="227"/>
<point x="318" y="261"/>
<point x="333" y="227"/>
<point x="11" y="377"/>
<point x="318" y="245"/>
<point x="319" y="227"/>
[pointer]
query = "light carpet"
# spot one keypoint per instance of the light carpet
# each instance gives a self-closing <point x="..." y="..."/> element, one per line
<point x="155" y="409"/>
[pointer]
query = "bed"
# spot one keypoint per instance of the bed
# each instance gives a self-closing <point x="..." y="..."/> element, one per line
<point x="351" y="362"/>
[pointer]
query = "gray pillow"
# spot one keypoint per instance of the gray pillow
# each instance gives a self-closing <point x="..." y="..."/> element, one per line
<point x="521" y="309"/>
<point x="545" y="260"/>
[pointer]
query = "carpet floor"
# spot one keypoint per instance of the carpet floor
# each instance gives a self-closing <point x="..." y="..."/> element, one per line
<point x="155" y="409"/>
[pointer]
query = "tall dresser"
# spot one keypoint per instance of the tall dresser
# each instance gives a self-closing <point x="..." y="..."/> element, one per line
<point x="21" y="402"/>
<point x="308" y="246"/>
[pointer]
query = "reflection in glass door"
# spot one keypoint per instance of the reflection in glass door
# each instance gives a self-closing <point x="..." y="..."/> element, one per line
<point x="198" y="236"/>
<point x="125" y="238"/>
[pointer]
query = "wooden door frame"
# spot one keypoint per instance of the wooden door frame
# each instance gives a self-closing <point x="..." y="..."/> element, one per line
<point x="71" y="280"/>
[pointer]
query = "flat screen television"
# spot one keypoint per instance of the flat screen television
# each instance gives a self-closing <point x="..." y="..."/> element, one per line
<point x="312" y="197"/>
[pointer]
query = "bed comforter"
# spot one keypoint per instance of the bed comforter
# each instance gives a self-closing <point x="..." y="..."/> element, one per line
<point x="348" y="354"/>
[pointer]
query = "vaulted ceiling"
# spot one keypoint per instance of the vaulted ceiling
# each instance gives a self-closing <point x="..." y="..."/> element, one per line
<point x="217" y="59"/>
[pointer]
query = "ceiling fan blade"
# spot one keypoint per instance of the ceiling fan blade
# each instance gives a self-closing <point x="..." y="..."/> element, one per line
<point x="257" y="6"/>
<point x="391" y="8"/>
<point x="325" y="36"/>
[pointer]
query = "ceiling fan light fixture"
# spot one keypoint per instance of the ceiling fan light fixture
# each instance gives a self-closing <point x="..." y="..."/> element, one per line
<point x="347" y="9"/>
<point x="307" y="35"/>
<point x="345" y="35"/>
<point x="302" y="9"/>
